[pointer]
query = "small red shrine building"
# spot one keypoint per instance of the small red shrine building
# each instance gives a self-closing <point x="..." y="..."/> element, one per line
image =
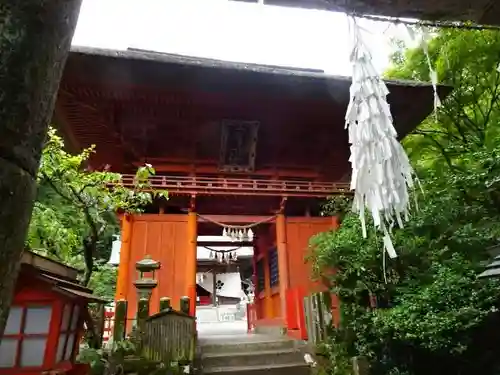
<point x="46" y="319"/>
<point x="236" y="145"/>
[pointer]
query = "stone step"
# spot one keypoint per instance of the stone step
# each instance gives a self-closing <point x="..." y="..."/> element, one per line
<point x="275" y="331"/>
<point x="247" y="346"/>
<point x="252" y="358"/>
<point x="280" y="369"/>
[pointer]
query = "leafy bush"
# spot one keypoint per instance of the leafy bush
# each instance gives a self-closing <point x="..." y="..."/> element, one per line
<point x="432" y="315"/>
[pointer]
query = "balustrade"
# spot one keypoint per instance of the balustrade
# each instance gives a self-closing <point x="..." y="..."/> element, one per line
<point x="241" y="186"/>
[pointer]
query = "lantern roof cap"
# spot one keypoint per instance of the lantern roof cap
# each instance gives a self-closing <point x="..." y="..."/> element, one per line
<point x="492" y="269"/>
<point x="147" y="264"/>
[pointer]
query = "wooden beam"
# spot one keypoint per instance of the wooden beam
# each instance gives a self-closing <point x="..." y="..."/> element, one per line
<point x="282" y="205"/>
<point x="215" y="244"/>
<point x="125" y="146"/>
<point x="202" y="167"/>
<point x="168" y="160"/>
<point x="61" y="120"/>
<point x="192" y="203"/>
<point x="236" y="219"/>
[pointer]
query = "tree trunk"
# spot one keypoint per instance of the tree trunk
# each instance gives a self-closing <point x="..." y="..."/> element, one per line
<point x="35" y="37"/>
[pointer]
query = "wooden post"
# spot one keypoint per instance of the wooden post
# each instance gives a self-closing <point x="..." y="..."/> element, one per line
<point x="309" y="319"/>
<point x="191" y="259"/>
<point x="100" y="321"/>
<point x="318" y="315"/>
<point x="120" y="323"/>
<point x="254" y="274"/>
<point x="360" y="366"/>
<point x="165" y="304"/>
<point x="185" y="304"/>
<point x="282" y="261"/>
<point x="214" y="287"/>
<point x="268" y="303"/>
<point x="123" y="281"/>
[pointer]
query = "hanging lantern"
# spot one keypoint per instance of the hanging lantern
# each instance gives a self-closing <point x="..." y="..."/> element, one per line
<point x="114" y="259"/>
<point x="224" y="232"/>
<point x="250" y="235"/>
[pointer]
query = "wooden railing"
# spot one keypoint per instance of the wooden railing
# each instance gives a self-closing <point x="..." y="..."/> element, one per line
<point x="241" y="186"/>
<point x="310" y="315"/>
<point x="169" y="336"/>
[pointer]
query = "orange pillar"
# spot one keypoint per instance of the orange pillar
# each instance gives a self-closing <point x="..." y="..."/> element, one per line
<point x="123" y="280"/>
<point x="191" y="260"/>
<point x="335" y="222"/>
<point x="282" y="261"/>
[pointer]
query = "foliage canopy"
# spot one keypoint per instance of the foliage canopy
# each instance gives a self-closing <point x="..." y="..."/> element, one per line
<point x="74" y="218"/>
<point x="433" y="314"/>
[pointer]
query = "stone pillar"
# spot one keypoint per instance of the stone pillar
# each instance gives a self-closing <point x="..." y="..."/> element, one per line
<point x="142" y="316"/>
<point x="185" y="304"/>
<point x="165" y="304"/>
<point x="120" y="323"/>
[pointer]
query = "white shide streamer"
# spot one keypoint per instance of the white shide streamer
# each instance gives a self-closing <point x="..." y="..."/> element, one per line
<point x="426" y="37"/>
<point x="381" y="171"/>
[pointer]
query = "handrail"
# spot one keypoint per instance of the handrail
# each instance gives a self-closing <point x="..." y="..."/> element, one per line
<point x="241" y="186"/>
<point x="169" y="336"/>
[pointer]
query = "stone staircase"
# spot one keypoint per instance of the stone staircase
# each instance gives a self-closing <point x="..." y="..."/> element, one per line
<point x="252" y="355"/>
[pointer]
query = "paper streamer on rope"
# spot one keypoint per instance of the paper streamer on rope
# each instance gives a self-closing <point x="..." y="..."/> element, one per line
<point x="381" y="171"/>
<point x="424" y="44"/>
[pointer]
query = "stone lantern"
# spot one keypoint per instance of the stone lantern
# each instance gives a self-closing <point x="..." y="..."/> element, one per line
<point x="146" y="280"/>
<point x="492" y="269"/>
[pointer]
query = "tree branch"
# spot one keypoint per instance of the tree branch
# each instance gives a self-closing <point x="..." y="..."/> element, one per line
<point x="56" y="189"/>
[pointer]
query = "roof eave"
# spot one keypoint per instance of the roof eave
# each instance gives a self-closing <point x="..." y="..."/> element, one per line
<point x="479" y="11"/>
